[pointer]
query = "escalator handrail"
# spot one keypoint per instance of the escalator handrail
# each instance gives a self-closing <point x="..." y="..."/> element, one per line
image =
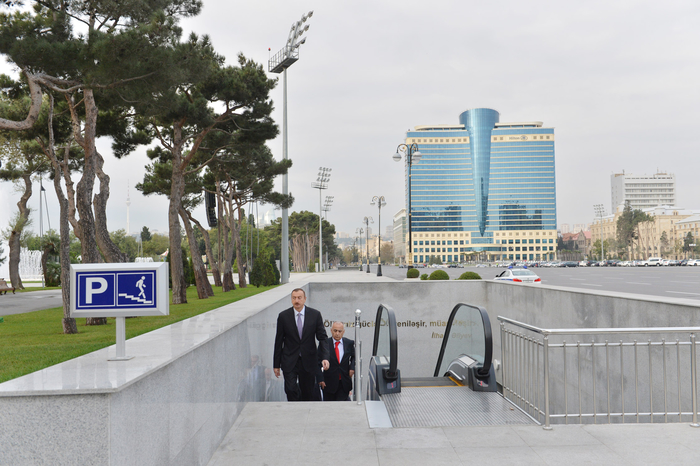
<point x="393" y="338"/>
<point x="488" y="339"/>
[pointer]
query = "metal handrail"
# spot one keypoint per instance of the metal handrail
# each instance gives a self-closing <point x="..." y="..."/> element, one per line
<point x="596" y="331"/>
<point x="391" y="373"/>
<point x="525" y="372"/>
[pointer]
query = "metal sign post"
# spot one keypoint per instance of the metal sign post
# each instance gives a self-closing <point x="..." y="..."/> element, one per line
<point x="121" y="341"/>
<point x="358" y="361"/>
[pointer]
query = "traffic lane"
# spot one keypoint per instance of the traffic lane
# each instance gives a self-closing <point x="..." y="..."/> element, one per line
<point x="29" y="301"/>
<point x="673" y="282"/>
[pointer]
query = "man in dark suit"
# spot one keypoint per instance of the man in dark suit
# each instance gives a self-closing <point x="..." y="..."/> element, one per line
<point x="336" y="381"/>
<point x="295" y="347"/>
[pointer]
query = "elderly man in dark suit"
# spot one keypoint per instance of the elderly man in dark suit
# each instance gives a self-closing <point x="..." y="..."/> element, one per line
<point x="298" y="328"/>
<point x="336" y="381"/>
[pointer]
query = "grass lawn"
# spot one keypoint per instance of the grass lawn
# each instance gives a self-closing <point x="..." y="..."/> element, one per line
<point x="35" y="340"/>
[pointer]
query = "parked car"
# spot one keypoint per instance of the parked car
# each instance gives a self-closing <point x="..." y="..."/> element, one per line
<point x="518" y="276"/>
<point x="653" y="261"/>
<point x="674" y="263"/>
<point x="569" y="264"/>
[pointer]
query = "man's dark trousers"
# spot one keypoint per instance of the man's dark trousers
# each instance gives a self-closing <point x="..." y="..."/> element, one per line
<point x="298" y="357"/>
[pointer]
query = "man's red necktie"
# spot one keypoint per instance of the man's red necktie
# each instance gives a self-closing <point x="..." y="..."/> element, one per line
<point x="337" y="356"/>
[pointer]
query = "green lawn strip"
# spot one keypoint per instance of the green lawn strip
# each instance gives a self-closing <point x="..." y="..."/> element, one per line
<point x="35" y="340"/>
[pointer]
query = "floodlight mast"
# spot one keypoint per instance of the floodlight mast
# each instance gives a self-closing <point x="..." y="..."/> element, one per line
<point x="279" y="64"/>
<point x="324" y="175"/>
<point x="412" y="155"/>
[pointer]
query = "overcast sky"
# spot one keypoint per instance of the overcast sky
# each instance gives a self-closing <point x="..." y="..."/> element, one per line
<point x="618" y="81"/>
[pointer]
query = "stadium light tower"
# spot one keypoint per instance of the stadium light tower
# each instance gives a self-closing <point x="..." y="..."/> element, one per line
<point x="412" y="155"/>
<point x="324" y="175"/>
<point x="279" y="64"/>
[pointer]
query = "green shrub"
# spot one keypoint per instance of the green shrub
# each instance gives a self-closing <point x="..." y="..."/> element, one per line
<point x="439" y="275"/>
<point x="52" y="276"/>
<point x="412" y="273"/>
<point x="424" y="276"/>
<point x="469" y="276"/>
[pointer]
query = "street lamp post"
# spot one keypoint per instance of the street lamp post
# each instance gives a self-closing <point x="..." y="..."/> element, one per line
<point x="359" y="231"/>
<point x="600" y="211"/>
<point x="367" y="221"/>
<point x="412" y="155"/>
<point x="379" y="201"/>
<point x="279" y="64"/>
<point x="324" y="174"/>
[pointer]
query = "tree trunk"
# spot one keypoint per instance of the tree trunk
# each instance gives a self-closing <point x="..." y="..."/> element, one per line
<point x="16" y="233"/>
<point x="61" y="171"/>
<point x="177" y="189"/>
<point x="228" y="284"/>
<point x="109" y="250"/>
<point x="88" y="242"/>
<point x="210" y="253"/>
<point x="239" y="253"/>
<point x="204" y="289"/>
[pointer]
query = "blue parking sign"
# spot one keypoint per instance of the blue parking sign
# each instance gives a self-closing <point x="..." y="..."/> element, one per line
<point x="113" y="290"/>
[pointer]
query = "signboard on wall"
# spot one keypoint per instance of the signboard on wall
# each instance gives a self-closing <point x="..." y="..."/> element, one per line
<point x="119" y="290"/>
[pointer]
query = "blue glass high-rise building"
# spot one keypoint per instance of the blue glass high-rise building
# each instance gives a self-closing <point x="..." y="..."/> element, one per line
<point x="483" y="187"/>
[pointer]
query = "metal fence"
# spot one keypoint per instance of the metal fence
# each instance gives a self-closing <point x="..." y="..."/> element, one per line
<point x="601" y="375"/>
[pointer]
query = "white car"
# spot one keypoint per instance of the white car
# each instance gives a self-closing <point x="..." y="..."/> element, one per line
<point x="518" y="276"/>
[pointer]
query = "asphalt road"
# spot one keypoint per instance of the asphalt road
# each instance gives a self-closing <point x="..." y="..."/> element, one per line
<point x="672" y="282"/>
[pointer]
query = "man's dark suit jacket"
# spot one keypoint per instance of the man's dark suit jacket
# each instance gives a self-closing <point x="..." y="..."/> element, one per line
<point x="288" y="346"/>
<point x="346" y="364"/>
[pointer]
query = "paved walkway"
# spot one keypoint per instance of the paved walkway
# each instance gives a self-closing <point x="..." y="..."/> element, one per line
<point x="339" y="434"/>
<point x="29" y="301"/>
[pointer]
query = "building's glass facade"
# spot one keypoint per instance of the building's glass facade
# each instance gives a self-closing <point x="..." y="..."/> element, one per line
<point x="483" y="187"/>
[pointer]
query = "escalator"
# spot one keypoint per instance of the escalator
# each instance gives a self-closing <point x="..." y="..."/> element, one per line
<point x="462" y="389"/>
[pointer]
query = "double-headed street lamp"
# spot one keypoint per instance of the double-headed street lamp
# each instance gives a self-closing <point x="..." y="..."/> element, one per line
<point x="279" y="64"/>
<point x="360" y="231"/>
<point x="600" y="211"/>
<point x="324" y="174"/>
<point x="367" y="221"/>
<point x="412" y="155"/>
<point x="379" y="201"/>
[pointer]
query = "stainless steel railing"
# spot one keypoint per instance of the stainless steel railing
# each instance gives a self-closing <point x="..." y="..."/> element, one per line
<point x="540" y="370"/>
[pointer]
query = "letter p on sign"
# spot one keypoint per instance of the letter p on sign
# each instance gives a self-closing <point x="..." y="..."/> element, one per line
<point x="94" y="285"/>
